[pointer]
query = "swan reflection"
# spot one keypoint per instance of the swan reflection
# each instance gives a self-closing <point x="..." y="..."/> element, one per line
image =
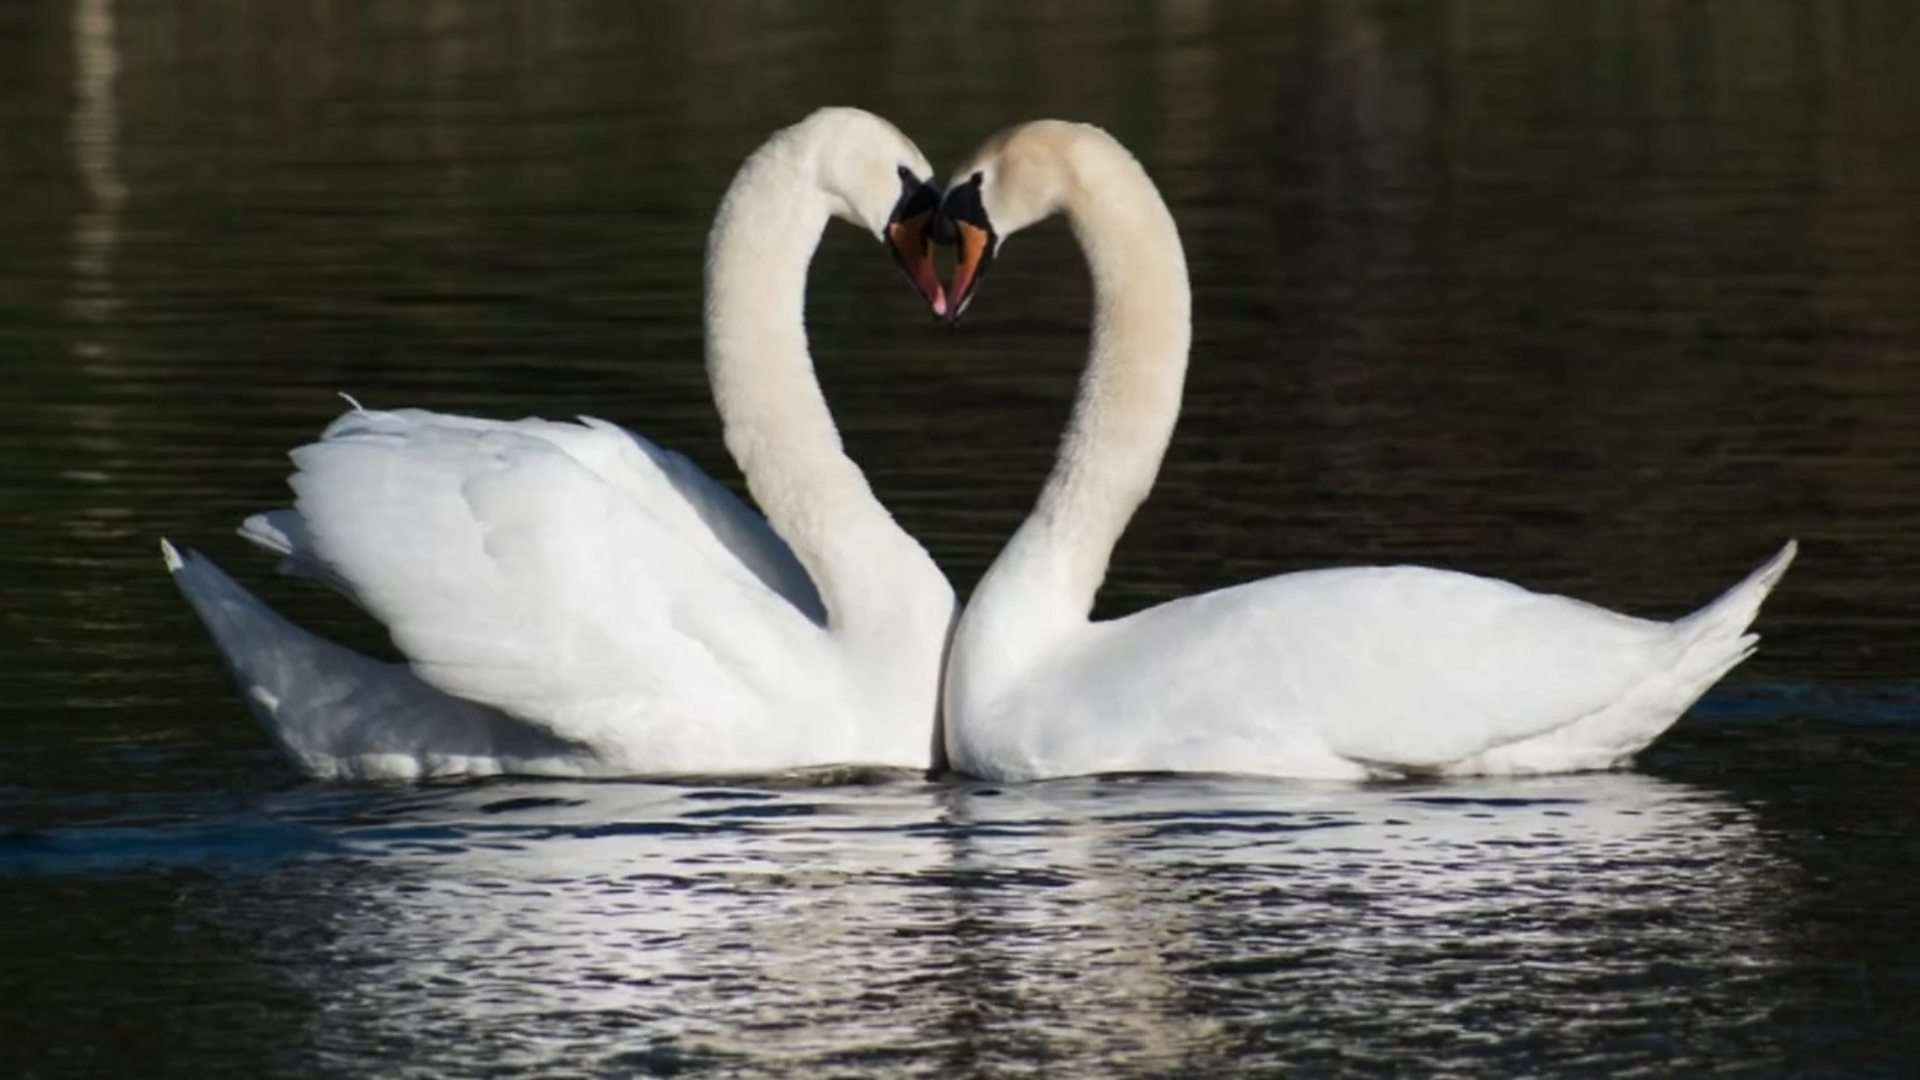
<point x="610" y="924"/>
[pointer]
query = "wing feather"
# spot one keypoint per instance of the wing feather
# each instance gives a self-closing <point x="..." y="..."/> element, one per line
<point x="1398" y="666"/>
<point x="546" y="569"/>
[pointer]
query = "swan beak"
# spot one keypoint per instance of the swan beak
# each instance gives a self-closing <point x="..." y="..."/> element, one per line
<point x="911" y="239"/>
<point x="974" y="252"/>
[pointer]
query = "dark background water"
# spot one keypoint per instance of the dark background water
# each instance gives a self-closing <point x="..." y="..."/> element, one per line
<point x="1607" y="299"/>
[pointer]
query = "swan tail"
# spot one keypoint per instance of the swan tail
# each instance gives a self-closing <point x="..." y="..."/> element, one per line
<point x="335" y="713"/>
<point x="1701" y="648"/>
<point x="1714" y="640"/>
<point x="1725" y="621"/>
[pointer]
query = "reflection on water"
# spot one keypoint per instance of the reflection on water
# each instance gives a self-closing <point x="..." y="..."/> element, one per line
<point x="1608" y="302"/>
<point x="1135" y="925"/>
<point x="96" y="134"/>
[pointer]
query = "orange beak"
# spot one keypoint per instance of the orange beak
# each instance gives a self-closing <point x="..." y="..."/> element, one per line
<point x="911" y="239"/>
<point x="973" y="249"/>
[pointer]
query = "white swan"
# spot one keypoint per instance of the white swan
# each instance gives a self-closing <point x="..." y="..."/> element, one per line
<point x="1337" y="674"/>
<point x="573" y="600"/>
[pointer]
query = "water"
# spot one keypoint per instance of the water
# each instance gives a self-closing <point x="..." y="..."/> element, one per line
<point x="1608" y="301"/>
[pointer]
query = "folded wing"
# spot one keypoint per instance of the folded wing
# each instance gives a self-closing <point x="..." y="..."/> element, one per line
<point x="1395" y="667"/>
<point x="573" y="576"/>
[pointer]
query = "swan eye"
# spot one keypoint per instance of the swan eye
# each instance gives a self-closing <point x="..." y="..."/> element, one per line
<point x="962" y="206"/>
<point x="917" y="197"/>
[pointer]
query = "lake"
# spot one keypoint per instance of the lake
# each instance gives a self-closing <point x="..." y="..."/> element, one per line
<point x="1607" y="299"/>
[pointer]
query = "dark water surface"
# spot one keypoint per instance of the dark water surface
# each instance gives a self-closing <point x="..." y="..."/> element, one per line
<point x="1608" y="299"/>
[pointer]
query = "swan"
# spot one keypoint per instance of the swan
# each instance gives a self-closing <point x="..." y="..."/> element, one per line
<point x="1339" y="674"/>
<point x="573" y="600"/>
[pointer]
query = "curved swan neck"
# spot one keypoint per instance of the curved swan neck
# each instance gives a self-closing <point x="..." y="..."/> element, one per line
<point x="1129" y="395"/>
<point x="777" y="424"/>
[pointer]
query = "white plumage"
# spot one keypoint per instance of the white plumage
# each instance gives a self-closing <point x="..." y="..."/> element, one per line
<point x="1337" y="674"/>
<point x="573" y="600"/>
<point x="1353" y="673"/>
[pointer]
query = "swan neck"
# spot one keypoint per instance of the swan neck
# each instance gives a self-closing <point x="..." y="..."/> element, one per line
<point x="775" y="417"/>
<point x="1129" y="394"/>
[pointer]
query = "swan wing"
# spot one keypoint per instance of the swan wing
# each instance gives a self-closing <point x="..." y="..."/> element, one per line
<point x="570" y="575"/>
<point x="679" y="492"/>
<point x="730" y="521"/>
<point x="1397" y="667"/>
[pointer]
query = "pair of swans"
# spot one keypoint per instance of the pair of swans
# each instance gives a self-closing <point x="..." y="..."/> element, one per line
<point x="575" y="601"/>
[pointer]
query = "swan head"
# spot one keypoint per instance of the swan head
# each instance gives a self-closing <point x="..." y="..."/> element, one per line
<point x="875" y="178"/>
<point x="1017" y="178"/>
